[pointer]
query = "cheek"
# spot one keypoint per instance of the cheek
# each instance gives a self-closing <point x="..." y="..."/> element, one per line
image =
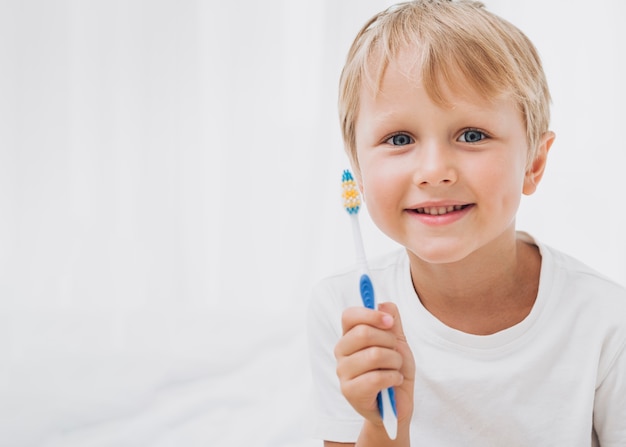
<point x="506" y="182"/>
<point x="376" y="192"/>
<point x="377" y="178"/>
<point x="383" y="188"/>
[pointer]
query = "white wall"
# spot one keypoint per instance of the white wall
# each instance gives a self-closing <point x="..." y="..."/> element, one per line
<point x="169" y="191"/>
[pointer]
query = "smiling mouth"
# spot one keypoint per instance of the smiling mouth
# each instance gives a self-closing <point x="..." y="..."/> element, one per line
<point x="440" y="210"/>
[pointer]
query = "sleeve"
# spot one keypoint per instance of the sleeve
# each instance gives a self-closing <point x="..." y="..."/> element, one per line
<point x="331" y="416"/>
<point x="609" y="413"/>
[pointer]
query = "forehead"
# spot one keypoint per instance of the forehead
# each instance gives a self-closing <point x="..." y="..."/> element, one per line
<point x="444" y="83"/>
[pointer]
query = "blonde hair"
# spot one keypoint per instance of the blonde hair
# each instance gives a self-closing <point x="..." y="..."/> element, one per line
<point x="453" y="40"/>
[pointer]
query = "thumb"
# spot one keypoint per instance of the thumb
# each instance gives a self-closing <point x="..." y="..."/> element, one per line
<point x="392" y="309"/>
<point x="404" y="392"/>
<point x="408" y="366"/>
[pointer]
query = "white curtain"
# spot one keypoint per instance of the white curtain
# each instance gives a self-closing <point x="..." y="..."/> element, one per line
<point x="169" y="192"/>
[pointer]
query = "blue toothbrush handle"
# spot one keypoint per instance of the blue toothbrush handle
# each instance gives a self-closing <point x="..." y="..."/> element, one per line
<point x="380" y="399"/>
<point x="386" y="399"/>
<point x="367" y="292"/>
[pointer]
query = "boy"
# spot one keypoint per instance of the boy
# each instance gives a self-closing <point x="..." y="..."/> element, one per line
<point x="503" y="341"/>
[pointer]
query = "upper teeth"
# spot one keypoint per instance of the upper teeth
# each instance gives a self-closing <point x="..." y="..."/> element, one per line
<point x="437" y="210"/>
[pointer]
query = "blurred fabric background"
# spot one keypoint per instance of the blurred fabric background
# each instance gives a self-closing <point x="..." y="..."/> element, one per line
<point x="169" y="193"/>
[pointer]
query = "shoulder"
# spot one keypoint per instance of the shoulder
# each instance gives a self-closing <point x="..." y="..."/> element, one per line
<point x="561" y="272"/>
<point x="580" y="297"/>
<point x="580" y="280"/>
<point x="590" y="305"/>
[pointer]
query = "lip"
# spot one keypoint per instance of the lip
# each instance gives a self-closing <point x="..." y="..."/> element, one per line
<point x="461" y="209"/>
<point x="438" y="203"/>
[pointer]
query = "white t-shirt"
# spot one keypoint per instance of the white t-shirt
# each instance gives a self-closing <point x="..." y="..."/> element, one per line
<point x="557" y="378"/>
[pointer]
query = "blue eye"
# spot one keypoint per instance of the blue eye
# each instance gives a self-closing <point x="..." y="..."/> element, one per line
<point x="472" y="136"/>
<point x="400" y="139"/>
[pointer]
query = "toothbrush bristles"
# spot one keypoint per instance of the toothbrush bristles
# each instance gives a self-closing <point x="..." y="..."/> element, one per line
<point x="350" y="193"/>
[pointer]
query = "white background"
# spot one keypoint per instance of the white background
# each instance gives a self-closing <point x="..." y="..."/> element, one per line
<point x="169" y="192"/>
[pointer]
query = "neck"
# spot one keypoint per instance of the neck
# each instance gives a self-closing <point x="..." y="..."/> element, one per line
<point x="492" y="289"/>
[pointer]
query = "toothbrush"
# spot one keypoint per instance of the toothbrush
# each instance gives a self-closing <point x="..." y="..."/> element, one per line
<point x="352" y="204"/>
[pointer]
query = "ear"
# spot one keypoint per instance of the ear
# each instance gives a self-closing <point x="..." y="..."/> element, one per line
<point x="535" y="171"/>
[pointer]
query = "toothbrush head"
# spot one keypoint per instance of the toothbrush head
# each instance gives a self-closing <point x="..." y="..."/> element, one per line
<point x="350" y="193"/>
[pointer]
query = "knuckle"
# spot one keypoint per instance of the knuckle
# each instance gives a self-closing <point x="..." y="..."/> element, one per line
<point x="363" y="333"/>
<point x="337" y="352"/>
<point x="376" y="355"/>
<point x="346" y="388"/>
<point x="345" y="315"/>
<point x="343" y="388"/>
<point x="349" y="313"/>
<point x="340" y="369"/>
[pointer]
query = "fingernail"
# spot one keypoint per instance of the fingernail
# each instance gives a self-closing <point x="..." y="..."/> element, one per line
<point x="387" y="320"/>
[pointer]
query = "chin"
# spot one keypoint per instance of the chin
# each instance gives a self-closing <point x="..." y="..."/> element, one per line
<point x="440" y="253"/>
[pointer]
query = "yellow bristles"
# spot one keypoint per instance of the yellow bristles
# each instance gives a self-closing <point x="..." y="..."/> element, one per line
<point x="350" y="193"/>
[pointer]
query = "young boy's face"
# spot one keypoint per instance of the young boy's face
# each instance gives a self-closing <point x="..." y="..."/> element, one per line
<point x="442" y="181"/>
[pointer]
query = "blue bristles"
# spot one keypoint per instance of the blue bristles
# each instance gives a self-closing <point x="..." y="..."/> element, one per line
<point x="350" y="194"/>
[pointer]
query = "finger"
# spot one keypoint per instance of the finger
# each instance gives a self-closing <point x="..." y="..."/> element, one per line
<point x="362" y="390"/>
<point x="391" y="309"/>
<point x="370" y="359"/>
<point x="363" y="336"/>
<point x="354" y="316"/>
<point x="402" y="346"/>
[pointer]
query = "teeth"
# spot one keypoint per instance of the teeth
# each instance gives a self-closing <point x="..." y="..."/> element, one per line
<point x="439" y="210"/>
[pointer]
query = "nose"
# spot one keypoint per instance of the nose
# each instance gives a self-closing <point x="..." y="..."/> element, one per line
<point x="435" y="165"/>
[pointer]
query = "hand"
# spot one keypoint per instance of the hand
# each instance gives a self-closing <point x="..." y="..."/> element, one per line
<point x="373" y="355"/>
